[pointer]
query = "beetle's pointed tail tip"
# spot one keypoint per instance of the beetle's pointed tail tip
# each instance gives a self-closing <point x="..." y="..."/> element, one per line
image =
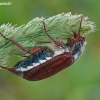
<point x="2" y="67"/>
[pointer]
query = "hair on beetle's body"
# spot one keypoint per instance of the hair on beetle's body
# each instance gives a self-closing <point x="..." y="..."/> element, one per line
<point x="44" y="62"/>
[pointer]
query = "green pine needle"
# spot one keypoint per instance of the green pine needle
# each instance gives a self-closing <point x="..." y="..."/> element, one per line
<point x="32" y="34"/>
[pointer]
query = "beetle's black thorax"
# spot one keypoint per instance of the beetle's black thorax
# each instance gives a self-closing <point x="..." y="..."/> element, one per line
<point x="76" y="49"/>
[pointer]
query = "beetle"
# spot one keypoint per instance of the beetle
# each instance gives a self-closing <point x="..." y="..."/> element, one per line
<point x="43" y="62"/>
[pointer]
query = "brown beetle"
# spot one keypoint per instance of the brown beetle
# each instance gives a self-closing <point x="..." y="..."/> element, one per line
<point x="44" y="62"/>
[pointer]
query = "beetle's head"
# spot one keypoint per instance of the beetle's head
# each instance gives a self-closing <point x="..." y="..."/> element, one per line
<point x="77" y="38"/>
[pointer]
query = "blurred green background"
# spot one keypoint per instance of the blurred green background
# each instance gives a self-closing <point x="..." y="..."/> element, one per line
<point x="81" y="81"/>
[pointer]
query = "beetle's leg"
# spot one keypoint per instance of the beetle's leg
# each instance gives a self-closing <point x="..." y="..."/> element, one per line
<point x="58" y="43"/>
<point x="31" y="51"/>
<point x="36" y="49"/>
<point x="77" y="34"/>
<point x="15" y="43"/>
<point x="80" y="25"/>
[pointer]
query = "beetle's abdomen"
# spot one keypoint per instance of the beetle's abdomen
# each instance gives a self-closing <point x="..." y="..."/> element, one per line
<point x="34" y="60"/>
<point x="49" y="68"/>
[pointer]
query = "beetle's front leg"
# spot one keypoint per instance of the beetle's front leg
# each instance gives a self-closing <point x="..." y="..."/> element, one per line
<point x="58" y="43"/>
